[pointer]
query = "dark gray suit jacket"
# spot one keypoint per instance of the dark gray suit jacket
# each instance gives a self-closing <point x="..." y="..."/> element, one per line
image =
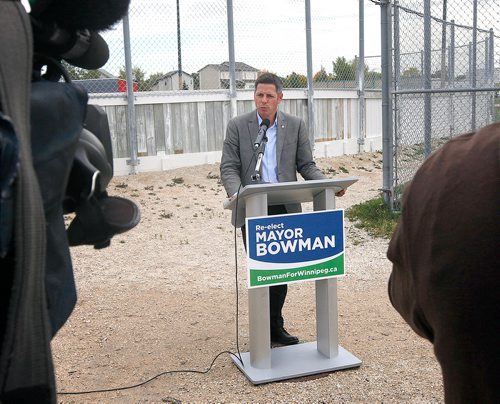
<point x="293" y="153"/>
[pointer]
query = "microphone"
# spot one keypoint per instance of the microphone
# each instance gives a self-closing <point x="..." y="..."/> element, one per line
<point x="68" y="29"/>
<point x="94" y="15"/>
<point x="91" y="55"/>
<point x="262" y="132"/>
<point x="81" y="48"/>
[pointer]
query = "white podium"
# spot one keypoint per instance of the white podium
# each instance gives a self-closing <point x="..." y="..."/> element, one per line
<point x="263" y="364"/>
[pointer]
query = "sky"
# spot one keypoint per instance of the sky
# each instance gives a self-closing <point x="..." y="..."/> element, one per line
<point x="269" y="35"/>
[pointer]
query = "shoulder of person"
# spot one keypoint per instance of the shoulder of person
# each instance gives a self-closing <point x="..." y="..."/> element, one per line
<point x="291" y="119"/>
<point x="249" y="116"/>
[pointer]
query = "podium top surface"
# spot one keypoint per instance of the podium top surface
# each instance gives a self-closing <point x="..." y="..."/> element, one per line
<point x="288" y="192"/>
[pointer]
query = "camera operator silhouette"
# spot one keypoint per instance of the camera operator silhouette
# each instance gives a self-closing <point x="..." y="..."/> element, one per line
<point x="56" y="158"/>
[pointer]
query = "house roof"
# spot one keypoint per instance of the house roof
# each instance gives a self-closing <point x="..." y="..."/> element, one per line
<point x="106" y="74"/>
<point x="99" y="85"/>
<point x="224" y="67"/>
<point x="170" y="74"/>
<point x="174" y="72"/>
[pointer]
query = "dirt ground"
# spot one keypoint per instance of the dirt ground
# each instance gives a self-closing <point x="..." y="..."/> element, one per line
<point x="162" y="298"/>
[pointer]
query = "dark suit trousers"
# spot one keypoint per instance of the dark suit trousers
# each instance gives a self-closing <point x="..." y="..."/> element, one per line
<point x="277" y="294"/>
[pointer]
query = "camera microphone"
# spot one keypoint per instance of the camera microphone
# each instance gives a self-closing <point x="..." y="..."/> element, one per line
<point x="94" y="15"/>
<point x="68" y="29"/>
<point x="89" y="51"/>
<point x="81" y="48"/>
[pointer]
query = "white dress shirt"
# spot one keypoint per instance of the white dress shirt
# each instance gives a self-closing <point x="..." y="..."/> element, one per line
<point x="269" y="162"/>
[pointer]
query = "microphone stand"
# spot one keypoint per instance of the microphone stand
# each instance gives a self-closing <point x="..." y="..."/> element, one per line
<point x="256" y="177"/>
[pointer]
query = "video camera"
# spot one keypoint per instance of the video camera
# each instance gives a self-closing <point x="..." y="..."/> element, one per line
<point x="68" y="30"/>
<point x="55" y="158"/>
<point x="71" y="141"/>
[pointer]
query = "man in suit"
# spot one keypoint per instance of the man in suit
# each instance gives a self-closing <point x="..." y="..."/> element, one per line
<point x="445" y="279"/>
<point x="288" y="151"/>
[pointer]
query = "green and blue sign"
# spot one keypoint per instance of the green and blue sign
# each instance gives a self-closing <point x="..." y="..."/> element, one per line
<point x="295" y="247"/>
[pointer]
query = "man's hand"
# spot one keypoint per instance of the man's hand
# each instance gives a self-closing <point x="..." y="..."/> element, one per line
<point x="340" y="193"/>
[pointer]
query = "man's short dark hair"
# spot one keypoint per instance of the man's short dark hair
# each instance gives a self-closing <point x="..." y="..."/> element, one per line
<point x="270" y="78"/>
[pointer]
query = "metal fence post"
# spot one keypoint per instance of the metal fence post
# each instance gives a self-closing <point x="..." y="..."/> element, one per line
<point x="387" y="134"/>
<point x="443" y="46"/>
<point x="486" y="73"/>
<point x="451" y="74"/>
<point x="179" y="47"/>
<point x="451" y="55"/>
<point x="232" y="60"/>
<point x="361" y="78"/>
<point x="131" y="121"/>
<point x="397" y="83"/>
<point x="491" y="53"/>
<point x="474" y="61"/>
<point x="427" y="79"/>
<point x="470" y="64"/>
<point x="310" y="88"/>
<point x="491" y="78"/>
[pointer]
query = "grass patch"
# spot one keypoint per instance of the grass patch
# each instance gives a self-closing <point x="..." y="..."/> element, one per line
<point x="211" y="176"/>
<point x="330" y="170"/>
<point x="374" y="216"/>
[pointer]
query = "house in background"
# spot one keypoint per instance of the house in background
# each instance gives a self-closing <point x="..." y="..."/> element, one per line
<point x="170" y="81"/>
<point x="217" y="76"/>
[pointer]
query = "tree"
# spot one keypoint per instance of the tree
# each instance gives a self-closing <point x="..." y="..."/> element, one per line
<point x="411" y="72"/>
<point x="322" y="76"/>
<point x="373" y="75"/>
<point x="151" y="81"/>
<point x="77" y="73"/>
<point x="137" y="76"/>
<point x="343" y="69"/>
<point x="196" y="81"/>
<point x="295" y="80"/>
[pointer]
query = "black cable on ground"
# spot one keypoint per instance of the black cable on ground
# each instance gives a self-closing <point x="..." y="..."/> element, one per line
<point x="237" y="356"/>
<point x="149" y="380"/>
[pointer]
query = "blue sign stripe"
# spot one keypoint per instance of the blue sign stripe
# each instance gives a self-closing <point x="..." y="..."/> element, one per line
<point x="296" y="238"/>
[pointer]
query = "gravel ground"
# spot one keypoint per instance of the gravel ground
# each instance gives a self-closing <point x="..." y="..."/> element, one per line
<point x="162" y="298"/>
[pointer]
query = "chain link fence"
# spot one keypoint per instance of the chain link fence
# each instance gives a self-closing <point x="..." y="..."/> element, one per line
<point x="446" y="69"/>
<point x="179" y="45"/>
<point x="443" y="78"/>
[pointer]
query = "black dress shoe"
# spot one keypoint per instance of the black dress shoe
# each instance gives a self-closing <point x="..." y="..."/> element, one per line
<point x="281" y="336"/>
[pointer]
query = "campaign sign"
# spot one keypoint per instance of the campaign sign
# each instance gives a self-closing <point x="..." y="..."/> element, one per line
<point x="295" y="247"/>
